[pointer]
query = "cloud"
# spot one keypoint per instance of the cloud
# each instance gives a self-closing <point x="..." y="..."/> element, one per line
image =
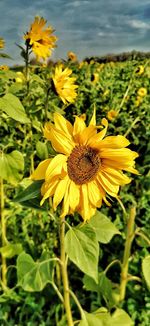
<point x="138" y="24"/>
<point x="83" y="26"/>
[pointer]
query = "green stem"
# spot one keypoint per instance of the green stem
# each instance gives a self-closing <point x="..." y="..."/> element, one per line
<point x="127" y="252"/>
<point x="143" y="236"/>
<point x="27" y="67"/>
<point x="3" y="235"/>
<point x="65" y="275"/>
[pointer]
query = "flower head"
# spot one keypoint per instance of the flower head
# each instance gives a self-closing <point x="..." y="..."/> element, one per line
<point x="140" y="70"/>
<point x="64" y="84"/>
<point x="40" y="40"/>
<point x="142" y="91"/>
<point x="4" y="67"/>
<point x="87" y="168"/>
<point x="2" y="43"/>
<point x="72" y="56"/>
<point x="112" y="114"/>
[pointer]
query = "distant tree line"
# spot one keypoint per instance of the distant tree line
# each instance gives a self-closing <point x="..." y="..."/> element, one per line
<point x="124" y="56"/>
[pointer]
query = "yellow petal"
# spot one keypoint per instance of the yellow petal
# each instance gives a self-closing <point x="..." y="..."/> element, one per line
<point x="74" y="196"/>
<point x="50" y="190"/>
<point x="65" y="207"/>
<point x="86" y="209"/>
<point x="55" y="167"/>
<point x="39" y="173"/>
<point x="86" y="135"/>
<point x="60" y="192"/>
<point x="94" y="194"/>
<point x="110" y="188"/>
<point x="115" y="176"/>
<point x="60" y="142"/>
<point x="113" y="142"/>
<point x="79" y="126"/>
<point x="94" y="141"/>
<point x="62" y="124"/>
<point x="93" y="119"/>
<point x="119" y="155"/>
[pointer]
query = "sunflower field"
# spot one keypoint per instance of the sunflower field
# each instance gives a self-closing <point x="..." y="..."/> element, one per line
<point x="74" y="188"/>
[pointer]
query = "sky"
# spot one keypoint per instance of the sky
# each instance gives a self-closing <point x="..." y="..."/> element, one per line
<point x="86" y="27"/>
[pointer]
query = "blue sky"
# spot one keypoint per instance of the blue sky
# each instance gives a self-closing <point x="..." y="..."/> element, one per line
<point x="86" y="27"/>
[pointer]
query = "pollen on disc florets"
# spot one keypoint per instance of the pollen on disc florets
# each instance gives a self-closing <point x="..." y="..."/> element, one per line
<point x="83" y="164"/>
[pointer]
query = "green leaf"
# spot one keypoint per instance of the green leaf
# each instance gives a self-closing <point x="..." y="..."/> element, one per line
<point x="103" y="318"/>
<point x="31" y="192"/>
<point x="33" y="276"/>
<point x="11" y="250"/>
<point x="82" y="248"/>
<point x="146" y="269"/>
<point x="103" y="227"/>
<point x="11" y="105"/>
<point x="90" y="284"/>
<point x="105" y="289"/>
<point x="11" y="166"/>
<point x="121" y="318"/>
<point x="42" y="151"/>
<point x="90" y="320"/>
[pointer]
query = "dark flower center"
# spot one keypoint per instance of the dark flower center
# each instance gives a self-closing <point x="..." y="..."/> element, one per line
<point x="83" y="164"/>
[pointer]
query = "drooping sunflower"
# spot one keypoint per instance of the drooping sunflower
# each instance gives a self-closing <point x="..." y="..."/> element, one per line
<point x="2" y="43"/>
<point x="64" y="84"/>
<point x="87" y="168"/>
<point x="39" y="39"/>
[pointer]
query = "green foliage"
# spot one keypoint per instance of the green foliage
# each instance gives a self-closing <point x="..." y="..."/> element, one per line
<point x="31" y="228"/>
<point x="33" y="276"/>
<point x="11" y="105"/>
<point x="82" y="248"/>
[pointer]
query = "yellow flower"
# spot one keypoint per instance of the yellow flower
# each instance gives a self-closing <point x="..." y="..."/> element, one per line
<point x="95" y="78"/>
<point x="72" y="56"/>
<point x="2" y="43"/>
<point x="142" y="91"/>
<point x="4" y="68"/>
<point x="20" y="77"/>
<point x="41" y="41"/>
<point x="140" y="70"/>
<point x="112" y="114"/>
<point x="138" y="100"/>
<point x="64" y="84"/>
<point x="87" y="167"/>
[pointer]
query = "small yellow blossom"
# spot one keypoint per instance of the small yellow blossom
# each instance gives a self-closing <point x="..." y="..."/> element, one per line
<point x="40" y="40"/>
<point x="64" y="84"/>
<point x="4" y="68"/>
<point x="142" y="91"/>
<point x="112" y="114"/>
<point x="140" y="70"/>
<point x="138" y="100"/>
<point x="20" y="77"/>
<point x="72" y="56"/>
<point x="2" y="43"/>
<point x="95" y="78"/>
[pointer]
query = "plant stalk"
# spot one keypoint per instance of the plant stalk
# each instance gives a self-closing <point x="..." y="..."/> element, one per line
<point x="127" y="252"/>
<point x="65" y="275"/>
<point x="3" y="236"/>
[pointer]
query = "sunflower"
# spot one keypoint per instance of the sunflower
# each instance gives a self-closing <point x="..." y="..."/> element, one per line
<point x="140" y="70"/>
<point x="72" y="56"/>
<point x="4" y="67"/>
<point x="64" y="84"/>
<point x="41" y="41"/>
<point x="142" y="91"/>
<point x="2" y="43"/>
<point x="112" y="114"/>
<point x="87" y="167"/>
